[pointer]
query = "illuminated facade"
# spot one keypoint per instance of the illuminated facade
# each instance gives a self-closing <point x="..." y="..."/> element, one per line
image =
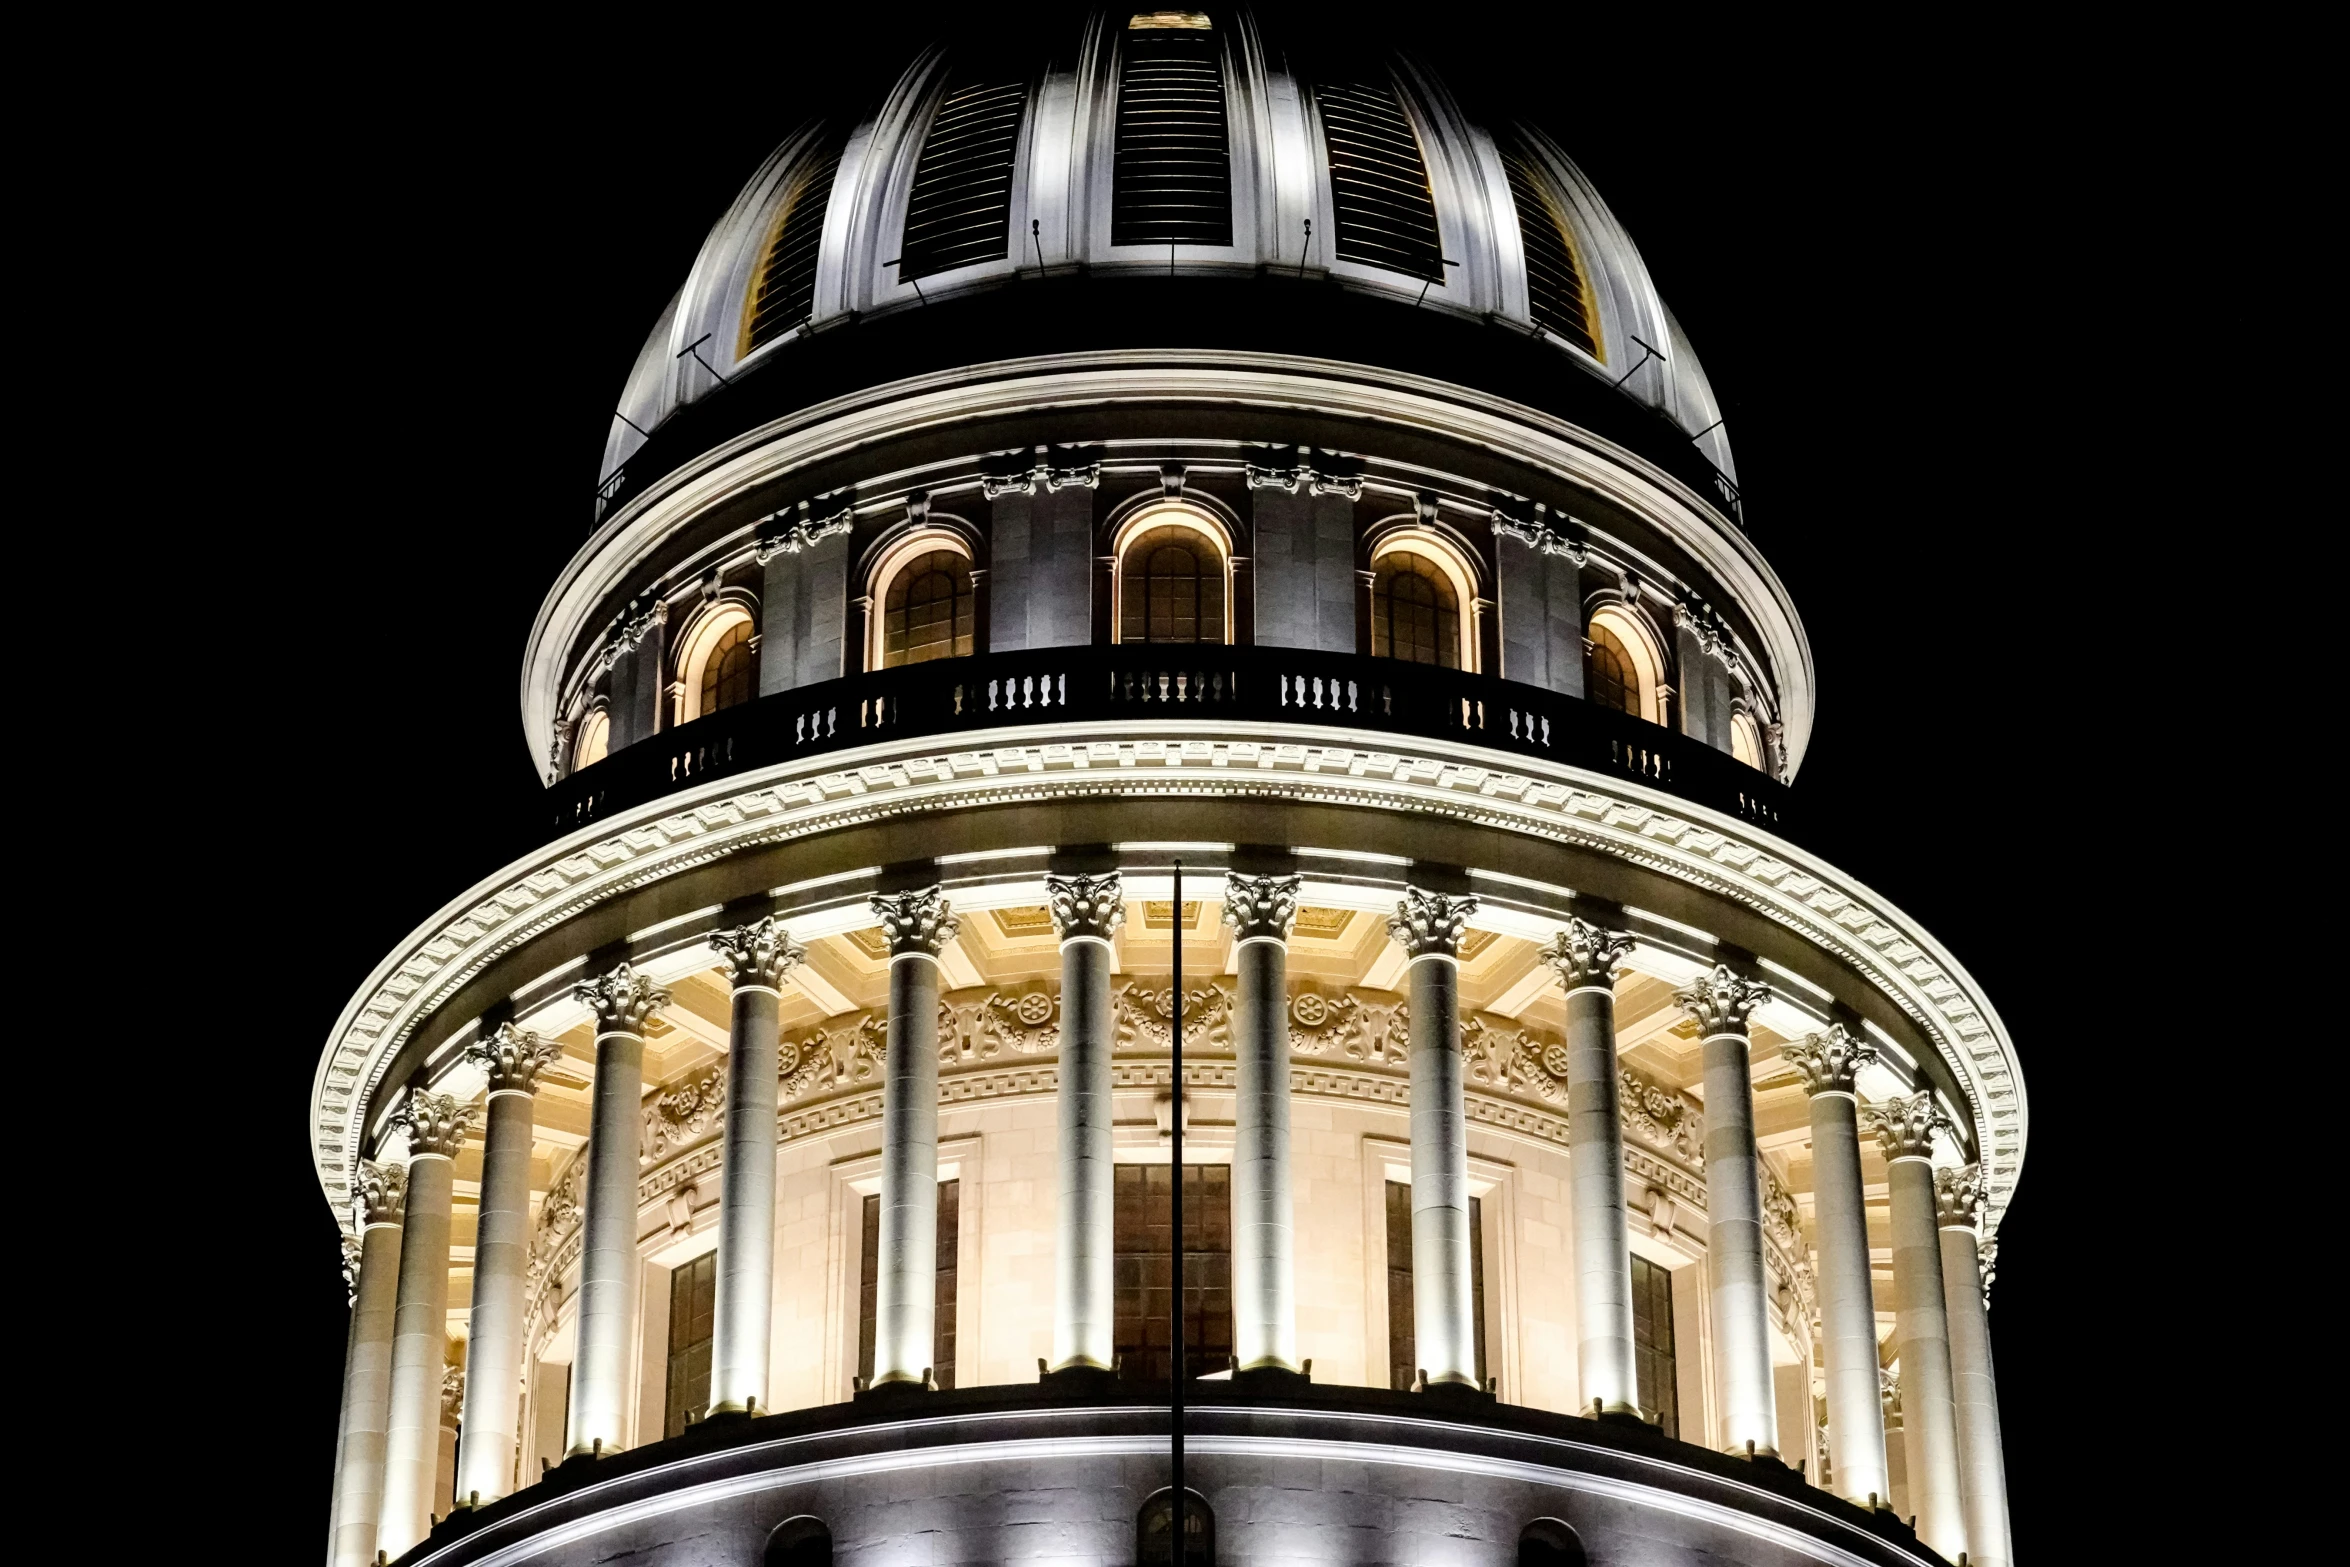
<point x="1173" y="444"/>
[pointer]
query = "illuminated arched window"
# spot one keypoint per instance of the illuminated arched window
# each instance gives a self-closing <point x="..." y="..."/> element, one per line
<point x="1746" y="739"/>
<point x="595" y="739"/>
<point x="1612" y="681"/>
<point x="928" y="610"/>
<point x="1154" y="1531"/>
<point x="1415" y="611"/>
<point x="719" y="663"/>
<point x="1171" y="585"/>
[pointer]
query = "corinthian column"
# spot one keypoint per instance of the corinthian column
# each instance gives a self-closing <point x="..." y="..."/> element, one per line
<point x="1921" y="1321"/>
<point x="1848" y="1311"/>
<point x="1087" y="911"/>
<point x="367" y="1369"/>
<point x="1721" y="1002"/>
<point x="1982" y="1469"/>
<point x="1586" y="958"/>
<point x="1428" y="926"/>
<point x="623" y="1001"/>
<point x="501" y="1261"/>
<point x="757" y="957"/>
<point x="1261" y="910"/>
<point x="436" y="1125"/>
<point x="918" y="926"/>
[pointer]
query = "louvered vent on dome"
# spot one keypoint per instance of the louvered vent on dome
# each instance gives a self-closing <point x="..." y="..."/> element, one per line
<point x="1172" y="184"/>
<point x="1378" y="182"/>
<point x="1557" y="294"/>
<point x="785" y="294"/>
<point x="960" y="211"/>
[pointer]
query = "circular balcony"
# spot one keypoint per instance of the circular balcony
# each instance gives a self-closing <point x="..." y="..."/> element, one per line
<point x="1115" y="687"/>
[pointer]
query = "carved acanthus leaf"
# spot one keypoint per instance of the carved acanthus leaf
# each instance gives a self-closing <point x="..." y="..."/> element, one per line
<point x="1828" y="1061"/>
<point x="1958" y="1196"/>
<point x="1145" y="1018"/>
<point x="623" y="1001"/>
<point x="1722" y="1001"/>
<point x="1427" y="923"/>
<point x="513" y="1057"/>
<point x="436" y="1124"/>
<point x="916" y="923"/>
<point x="1027" y="1024"/>
<point x="1261" y="905"/>
<point x="452" y="1391"/>
<point x="759" y="954"/>
<point x="1086" y="905"/>
<point x="352" y="1247"/>
<point x="1905" y="1126"/>
<point x="382" y="1193"/>
<point x="1586" y="955"/>
<point x="1320" y="1025"/>
<point x="681" y="1116"/>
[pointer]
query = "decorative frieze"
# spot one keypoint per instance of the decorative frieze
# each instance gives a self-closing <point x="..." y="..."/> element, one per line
<point x="1146" y="1018"/>
<point x="1086" y="906"/>
<point x="436" y="1124"/>
<point x="1905" y="1126"/>
<point x="1586" y="956"/>
<point x="1321" y="1025"/>
<point x="1302" y="478"/>
<point x="758" y="955"/>
<point x="917" y="923"/>
<point x="1260" y="906"/>
<point x="623" y="1000"/>
<point x="1028" y="1024"/>
<point x="1721" y="1001"/>
<point x="1828" y="1061"/>
<point x="1042" y="478"/>
<point x="684" y="1115"/>
<point x="1430" y="924"/>
<point x="513" y="1058"/>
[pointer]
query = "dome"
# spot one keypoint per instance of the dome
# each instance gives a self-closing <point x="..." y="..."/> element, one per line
<point x="1183" y="145"/>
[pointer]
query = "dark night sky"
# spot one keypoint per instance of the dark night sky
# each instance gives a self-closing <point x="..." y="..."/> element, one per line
<point x="487" y="231"/>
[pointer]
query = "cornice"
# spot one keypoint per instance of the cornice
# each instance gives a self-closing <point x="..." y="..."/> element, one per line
<point x="623" y="544"/>
<point x="1705" y="850"/>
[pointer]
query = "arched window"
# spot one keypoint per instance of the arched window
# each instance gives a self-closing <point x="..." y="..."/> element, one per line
<point x="1415" y="611"/>
<point x="1154" y="1531"/>
<point x="595" y="738"/>
<point x="1613" y="683"/>
<point x="719" y="664"/>
<point x="1620" y="669"/>
<point x="1746" y="739"/>
<point x="799" y="1542"/>
<point x="928" y="610"/>
<point x="1547" y="1542"/>
<point x="1171" y="581"/>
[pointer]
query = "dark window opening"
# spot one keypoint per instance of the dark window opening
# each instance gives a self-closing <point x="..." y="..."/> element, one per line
<point x="1557" y="295"/>
<point x="1609" y="676"/>
<point x="960" y="210"/>
<point x="799" y="1542"/>
<point x="1379" y="182"/>
<point x="1550" y="1543"/>
<point x="693" y="1309"/>
<point x="1154" y="1530"/>
<point x="785" y="294"/>
<point x="1143" y="1266"/>
<point x="1652" y="1345"/>
<point x="1172" y="182"/>
<point x="1171" y="589"/>
<point x="929" y="611"/>
<point x="730" y="672"/>
<point x="1403" y="1367"/>
<point x="1415" y="614"/>
<point x="949" y="1257"/>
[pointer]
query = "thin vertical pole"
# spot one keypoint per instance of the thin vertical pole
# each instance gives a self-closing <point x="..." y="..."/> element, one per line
<point x="1178" y="1555"/>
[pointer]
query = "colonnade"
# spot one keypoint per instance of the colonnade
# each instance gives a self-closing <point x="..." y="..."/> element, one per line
<point x="387" y="1444"/>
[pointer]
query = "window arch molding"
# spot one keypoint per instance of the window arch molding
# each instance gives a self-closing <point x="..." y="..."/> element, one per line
<point x="591" y="738"/>
<point x="1410" y="536"/>
<point x="1129" y="527"/>
<point x="1640" y="642"/>
<point x="711" y="625"/>
<point x="889" y="558"/>
<point x="1746" y="737"/>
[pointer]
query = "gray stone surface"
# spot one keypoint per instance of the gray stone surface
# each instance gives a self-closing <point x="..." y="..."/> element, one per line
<point x="1305" y="570"/>
<point x="1541" y="600"/>
<point x="1040" y="565"/>
<point x="803" y="616"/>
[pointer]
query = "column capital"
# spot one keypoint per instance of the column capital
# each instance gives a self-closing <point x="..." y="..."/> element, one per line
<point x="758" y="956"/>
<point x="1828" y="1061"/>
<point x="1261" y="905"/>
<point x="1430" y="924"/>
<point x="1888" y="1390"/>
<point x="382" y="1194"/>
<point x="1086" y="905"/>
<point x="1905" y="1125"/>
<point x="1721" y="1001"/>
<point x="352" y="1247"/>
<point x="436" y="1124"/>
<point x="917" y="923"/>
<point x="452" y="1392"/>
<point x="513" y="1057"/>
<point x="623" y="1001"/>
<point x="1958" y="1196"/>
<point x="1586" y="956"/>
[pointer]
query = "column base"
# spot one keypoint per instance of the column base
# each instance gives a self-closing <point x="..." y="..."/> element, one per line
<point x="1273" y="1381"/>
<point x="1624" y="1418"/>
<point x="1465" y="1394"/>
<point x="1082" y="1381"/>
<point x="888" y="1392"/>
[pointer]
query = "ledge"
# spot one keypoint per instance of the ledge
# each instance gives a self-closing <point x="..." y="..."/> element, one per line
<point x="1123" y="686"/>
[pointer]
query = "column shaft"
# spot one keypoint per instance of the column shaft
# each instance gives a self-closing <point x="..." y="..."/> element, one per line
<point x="420" y="1334"/>
<point x="493" y="1345"/>
<point x="610" y="1274"/>
<point x="1264" y="1241"/>
<point x="1848" y="1310"/>
<point x="1603" y="1249"/>
<point x="1084" y="1292"/>
<point x="367" y="1391"/>
<point x="1446" y="1343"/>
<point x="906" y="1281"/>
<point x="1734" y="1249"/>
<point x="743" y="1328"/>
<point x="1922" y="1323"/>
<point x="1982" y="1467"/>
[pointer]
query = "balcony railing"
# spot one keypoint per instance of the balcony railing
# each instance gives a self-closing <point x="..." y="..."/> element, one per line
<point x="1109" y="686"/>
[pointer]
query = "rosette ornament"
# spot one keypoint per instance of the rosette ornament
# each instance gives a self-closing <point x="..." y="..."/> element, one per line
<point x="1261" y="906"/>
<point x="758" y="955"/>
<point x="1586" y="956"/>
<point x="623" y="1000"/>
<point x="436" y="1124"/>
<point x="1828" y="1062"/>
<point x="513" y="1057"/>
<point x="916" y="924"/>
<point x="1086" y="907"/>
<point x="1430" y="924"/>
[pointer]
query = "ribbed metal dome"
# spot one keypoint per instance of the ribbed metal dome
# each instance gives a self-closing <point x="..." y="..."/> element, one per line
<point x="1166" y="143"/>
